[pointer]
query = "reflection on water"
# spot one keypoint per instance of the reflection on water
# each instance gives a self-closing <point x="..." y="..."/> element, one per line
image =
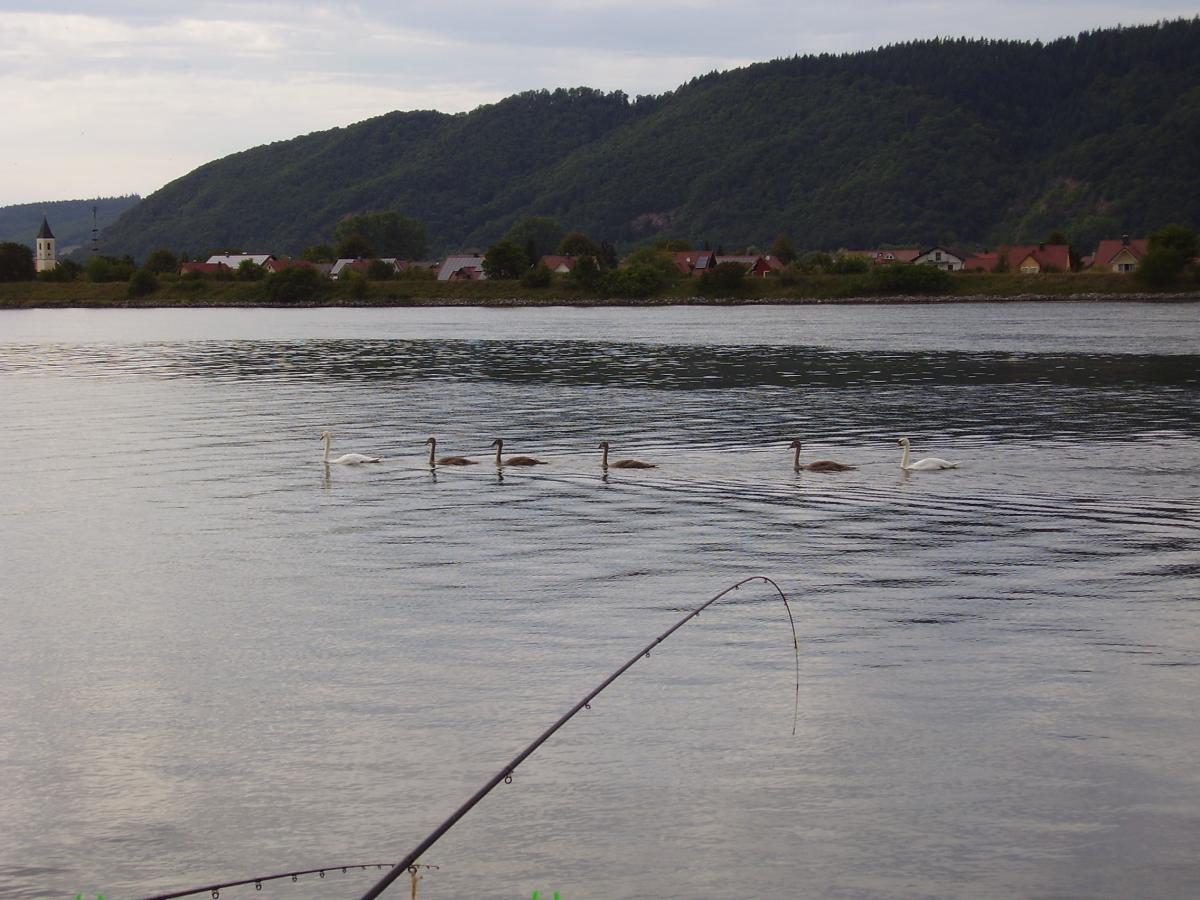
<point x="222" y="658"/>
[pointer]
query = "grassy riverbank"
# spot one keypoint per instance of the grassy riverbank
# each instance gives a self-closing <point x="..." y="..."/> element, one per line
<point x="810" y="289"/>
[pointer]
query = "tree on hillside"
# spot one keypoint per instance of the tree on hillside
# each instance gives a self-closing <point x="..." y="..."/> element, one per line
<point x="354" y="246"/>
<point x="608" y="256"/>
<point x="386" y="234"/>
<point x="578" y="244"/>
<point x="162" y="262"/>
<point x="782" y="249"/>
<point x="505" y="259"/>
<point x="319" y="253"/>
<point x="16" y="262"/>
<point x="539" y="236"/>
<point x="1178" y="238"/>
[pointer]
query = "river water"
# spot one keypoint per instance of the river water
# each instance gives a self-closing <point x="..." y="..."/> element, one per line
<point x="220" y="660"/>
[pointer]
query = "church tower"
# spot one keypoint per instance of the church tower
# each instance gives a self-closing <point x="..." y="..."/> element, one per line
<point x="45" y="259"/>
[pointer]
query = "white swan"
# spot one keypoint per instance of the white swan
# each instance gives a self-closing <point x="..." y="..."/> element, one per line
<point x="928" y="464"/>
<point x="819" y="465"/>
<point x="346" y="459"/>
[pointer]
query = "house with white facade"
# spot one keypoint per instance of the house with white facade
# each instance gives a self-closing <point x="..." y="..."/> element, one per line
<point x="940" y="258"/>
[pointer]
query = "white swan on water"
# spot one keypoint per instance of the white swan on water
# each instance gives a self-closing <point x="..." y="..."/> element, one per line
<point x="928" y="464"/>
<point x="346" y="459"/>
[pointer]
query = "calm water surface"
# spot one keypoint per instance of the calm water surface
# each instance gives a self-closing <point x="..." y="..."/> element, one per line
<point x="218" y="660"/>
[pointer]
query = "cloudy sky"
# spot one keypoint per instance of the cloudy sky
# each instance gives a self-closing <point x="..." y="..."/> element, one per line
<point x="121" y="97"/>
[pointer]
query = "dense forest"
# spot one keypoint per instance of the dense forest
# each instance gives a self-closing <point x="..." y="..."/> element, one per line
<point x="961" y="142"/>
<point x="70" y="220"/>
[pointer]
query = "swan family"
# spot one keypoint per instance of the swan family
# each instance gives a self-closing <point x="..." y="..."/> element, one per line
<point x="927" y="464"/>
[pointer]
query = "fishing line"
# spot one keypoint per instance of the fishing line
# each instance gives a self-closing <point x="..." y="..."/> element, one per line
<point x="506" y="773"/>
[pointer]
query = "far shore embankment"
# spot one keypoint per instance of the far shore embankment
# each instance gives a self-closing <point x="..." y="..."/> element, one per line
<point x="820" y="290"/>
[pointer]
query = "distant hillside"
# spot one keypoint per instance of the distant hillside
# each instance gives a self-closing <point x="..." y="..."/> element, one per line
<point x="951" y="141"/>
<point x="70" y="220"/>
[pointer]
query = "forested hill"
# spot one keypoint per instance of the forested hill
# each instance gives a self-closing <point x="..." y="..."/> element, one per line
<point x="70" y="220"/>
<point x="949" y="141"/>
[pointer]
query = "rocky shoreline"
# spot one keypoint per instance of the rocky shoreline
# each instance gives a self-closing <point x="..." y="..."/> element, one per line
<point x="532" y="302"/>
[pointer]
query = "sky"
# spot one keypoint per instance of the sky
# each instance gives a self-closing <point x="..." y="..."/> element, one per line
<point x="102" y="99"/>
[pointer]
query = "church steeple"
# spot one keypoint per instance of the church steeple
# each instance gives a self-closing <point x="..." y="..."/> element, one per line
<point x="45" y="258"/>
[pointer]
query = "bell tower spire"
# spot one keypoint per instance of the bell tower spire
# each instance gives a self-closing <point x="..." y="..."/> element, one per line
<point x="46" y="257"/>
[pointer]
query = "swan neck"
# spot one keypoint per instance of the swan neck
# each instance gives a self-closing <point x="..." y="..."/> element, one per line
<point x="796" y="460"/>
<point x="432" y="448"/>
<point x="904" y="459"/>
<point x="604" y="458"/>
<point x="326" y="439"/>
<point x="499" y="447"/>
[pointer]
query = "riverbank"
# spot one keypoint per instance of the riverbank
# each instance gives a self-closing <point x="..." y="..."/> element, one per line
<point x="817" y="289"/>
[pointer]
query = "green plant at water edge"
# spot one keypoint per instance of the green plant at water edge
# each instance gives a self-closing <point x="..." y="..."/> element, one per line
<point x="537" y="277"/>
<point x="908" y="280"/>
<point x="109" y="268"/>
<point x="141" y="283"/>
<point x="67" y="270"/>
<point x="727" y="277"/>
<point x="1169" y="250"/>
<point x="296" y="284"/>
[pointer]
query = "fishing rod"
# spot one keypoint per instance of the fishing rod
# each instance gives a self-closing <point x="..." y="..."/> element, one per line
<point x="506" y="773"/>
<point x="215" y="889"/>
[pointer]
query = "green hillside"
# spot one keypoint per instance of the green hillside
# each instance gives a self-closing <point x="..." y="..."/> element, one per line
<point x="70" y="220"/>
<point x="950" y="141"/>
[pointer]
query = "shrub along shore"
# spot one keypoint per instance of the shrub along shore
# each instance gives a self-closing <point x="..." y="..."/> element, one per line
<point x="816" y="289"/>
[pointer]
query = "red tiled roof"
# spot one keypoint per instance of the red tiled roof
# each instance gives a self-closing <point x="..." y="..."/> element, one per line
<point x="985" y="261"/>
<point x="553" y="262"/>
<point x="203" y="268"/>
<point x="1110" y="248"/>
<point x="1057" y="255"/>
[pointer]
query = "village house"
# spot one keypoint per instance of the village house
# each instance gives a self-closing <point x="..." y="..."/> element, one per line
<point x="756" y="266"/>
<point x="559" y="265"/>
<point x="693" y="262"/>
<point x="941" y="258"/>
<point x="1121" y="255"/>
<point x="233" y="260"/>
<point x="364" y="265"/>
<point x="278" y="265"/>
<point x="1034" y="258"/>
<point x="462" y="268"/>
<point x="885" y="257"/>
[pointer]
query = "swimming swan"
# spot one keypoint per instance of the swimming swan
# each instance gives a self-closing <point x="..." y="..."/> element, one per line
<point x="622" y="463"/>
<point x="346" y="459"/>
<point x="446" y="460"/>
<point x="928" y="464"/>
<point x="498" y="443"/>
<point x="819" y="465"/>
